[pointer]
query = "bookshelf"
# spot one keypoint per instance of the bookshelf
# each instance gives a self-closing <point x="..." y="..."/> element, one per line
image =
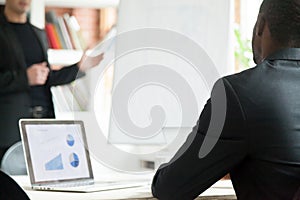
<point x="64" y="56"/>
<point x="82" y="4"/>
<point x="58" y="56"/>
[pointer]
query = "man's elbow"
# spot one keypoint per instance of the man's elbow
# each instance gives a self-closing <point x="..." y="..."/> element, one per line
<point x="158" y="189"/>
<point x="163" y="188"/>
<point x="160" y="192"/>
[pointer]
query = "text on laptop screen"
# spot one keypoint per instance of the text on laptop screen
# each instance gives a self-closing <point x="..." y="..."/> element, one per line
<point x="57" y="152"/>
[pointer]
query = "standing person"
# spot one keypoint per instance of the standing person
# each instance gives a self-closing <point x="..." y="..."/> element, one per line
<point x="25" y="74"/>
<point x="259" y="144"/>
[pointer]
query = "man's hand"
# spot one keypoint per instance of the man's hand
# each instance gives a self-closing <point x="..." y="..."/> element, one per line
<point x="88" y="62"/>
<point x="38" y="74"/>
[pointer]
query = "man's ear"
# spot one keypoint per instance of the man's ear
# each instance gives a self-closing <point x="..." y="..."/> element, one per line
<point x="261" y="23"/>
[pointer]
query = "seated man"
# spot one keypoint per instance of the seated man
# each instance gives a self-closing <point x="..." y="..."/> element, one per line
<point x="259" y="144"/>
<point x="10" y="189"/>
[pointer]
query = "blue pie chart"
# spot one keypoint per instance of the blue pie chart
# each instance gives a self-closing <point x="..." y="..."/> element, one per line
<point x="70" y="140"/>
<point x="74" y="160"/>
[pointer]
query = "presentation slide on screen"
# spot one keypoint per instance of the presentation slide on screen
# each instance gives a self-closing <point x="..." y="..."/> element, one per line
<point x="57" y="152"/>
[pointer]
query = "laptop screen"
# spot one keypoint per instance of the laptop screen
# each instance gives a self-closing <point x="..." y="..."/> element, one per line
<point x="55" y="151"/>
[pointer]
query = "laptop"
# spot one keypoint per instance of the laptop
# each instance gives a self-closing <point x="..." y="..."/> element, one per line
<point x="57" y="157"/>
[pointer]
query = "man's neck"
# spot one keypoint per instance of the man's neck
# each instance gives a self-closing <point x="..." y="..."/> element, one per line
<point x="15" y="17"/>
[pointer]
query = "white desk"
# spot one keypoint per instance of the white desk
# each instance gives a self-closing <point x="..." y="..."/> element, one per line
<point x="220" y="190"/>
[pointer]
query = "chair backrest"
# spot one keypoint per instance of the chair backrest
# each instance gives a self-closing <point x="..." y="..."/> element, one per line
<point x="13" y="161"/>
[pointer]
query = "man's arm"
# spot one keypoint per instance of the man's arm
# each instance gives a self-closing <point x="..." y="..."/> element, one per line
<point x="69" y="74"/>
<point x="20" y="80"/>
<point x="57" y="77"/>
<point x="64" y="75"/>
<point x="187" y="175"/>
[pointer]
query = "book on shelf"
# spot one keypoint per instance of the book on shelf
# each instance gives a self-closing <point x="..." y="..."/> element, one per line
<point x="59" y="100"/>
<point x="81" y="94"/>
<point x="73" y="30"/>
<point x="52" y="19"/>
<point x="63" y="32"/>
<point x="52" y="36"/>
<point x="71" y="97"/>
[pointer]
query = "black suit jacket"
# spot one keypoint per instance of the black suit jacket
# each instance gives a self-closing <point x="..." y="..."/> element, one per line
<point x="259" y="144"/>
<point x="14" y="87"/>
<point x="10" y="189"/>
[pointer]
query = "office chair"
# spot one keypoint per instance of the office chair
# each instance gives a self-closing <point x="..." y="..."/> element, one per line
<point x="13" y="161"/>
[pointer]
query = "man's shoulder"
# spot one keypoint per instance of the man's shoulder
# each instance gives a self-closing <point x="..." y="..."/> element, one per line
<point x="245" y="78"/>
<point x="39" y="32"/>
<point x="241" y="76"/>
<point x="36" y="28"/>
<point x="245" y="82"/>
<point x="2" y="19"/>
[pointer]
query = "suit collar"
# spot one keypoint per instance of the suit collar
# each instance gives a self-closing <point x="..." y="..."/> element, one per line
<point x="285" y="54"/>
<point x="15" y="47"/>
<point x="13" y="41"/>
<point x="3" y="20"/>
<point x="5" y="24"/>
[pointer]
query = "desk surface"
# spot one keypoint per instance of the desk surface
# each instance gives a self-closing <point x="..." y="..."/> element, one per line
<point x="221" y="190"/>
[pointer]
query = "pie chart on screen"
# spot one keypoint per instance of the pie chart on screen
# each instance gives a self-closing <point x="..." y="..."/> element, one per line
<point x="74" y="160"/>
<point x="70" y="140"/>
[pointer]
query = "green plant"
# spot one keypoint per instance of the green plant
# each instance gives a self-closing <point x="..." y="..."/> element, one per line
<point x="243" y="50"/>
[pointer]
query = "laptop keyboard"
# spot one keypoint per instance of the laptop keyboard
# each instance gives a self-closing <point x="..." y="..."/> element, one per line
<point x="92" y="187"/>
<point x="72" y="184"/>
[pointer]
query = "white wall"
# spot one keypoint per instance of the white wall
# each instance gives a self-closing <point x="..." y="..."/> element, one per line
<point x="209" y="23"/>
